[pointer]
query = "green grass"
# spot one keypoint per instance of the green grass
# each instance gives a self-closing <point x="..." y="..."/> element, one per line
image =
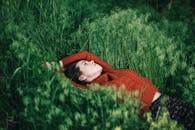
<point x="129" y="35"/>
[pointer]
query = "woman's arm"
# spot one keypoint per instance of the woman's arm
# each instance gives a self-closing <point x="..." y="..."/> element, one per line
<point x="85" y="55"/>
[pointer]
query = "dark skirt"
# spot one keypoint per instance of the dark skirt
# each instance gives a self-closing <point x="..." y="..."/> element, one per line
<point x="182" y="112"/>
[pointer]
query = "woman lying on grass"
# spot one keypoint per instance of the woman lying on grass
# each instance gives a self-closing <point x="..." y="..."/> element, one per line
<point x="84" y="68"/>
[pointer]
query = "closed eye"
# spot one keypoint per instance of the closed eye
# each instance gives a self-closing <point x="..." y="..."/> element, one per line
<point x="85" y="63"/>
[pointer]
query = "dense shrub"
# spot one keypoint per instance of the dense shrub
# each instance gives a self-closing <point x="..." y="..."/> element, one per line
<point x="126" y="40"/>
<point x="33" y="32"/>
<point x="46" y="100"/>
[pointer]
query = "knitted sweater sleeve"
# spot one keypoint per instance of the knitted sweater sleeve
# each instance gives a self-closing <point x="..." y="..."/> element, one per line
<point x="85" y="55"/>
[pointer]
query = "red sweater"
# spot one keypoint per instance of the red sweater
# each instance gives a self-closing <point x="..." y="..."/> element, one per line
<point x="111" y="77"/>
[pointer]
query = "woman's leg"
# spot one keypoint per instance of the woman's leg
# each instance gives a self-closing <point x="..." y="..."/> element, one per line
<point x="182" y="112"/>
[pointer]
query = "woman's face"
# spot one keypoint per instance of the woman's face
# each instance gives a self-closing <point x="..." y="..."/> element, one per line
<point x="89" y="69"/>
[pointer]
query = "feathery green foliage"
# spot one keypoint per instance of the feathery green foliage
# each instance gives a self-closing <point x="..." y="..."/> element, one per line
<point x="128" y="35"/>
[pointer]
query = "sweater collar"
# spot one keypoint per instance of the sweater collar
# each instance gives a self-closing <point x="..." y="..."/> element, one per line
<point x="104" y="78"/>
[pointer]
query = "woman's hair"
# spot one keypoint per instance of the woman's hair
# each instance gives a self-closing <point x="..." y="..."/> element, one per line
<point x="73" y="73"/>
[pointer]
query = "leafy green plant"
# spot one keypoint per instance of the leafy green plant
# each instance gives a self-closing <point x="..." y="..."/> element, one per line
<point x="128" y="35"/>
<point x="125" y="40"/>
